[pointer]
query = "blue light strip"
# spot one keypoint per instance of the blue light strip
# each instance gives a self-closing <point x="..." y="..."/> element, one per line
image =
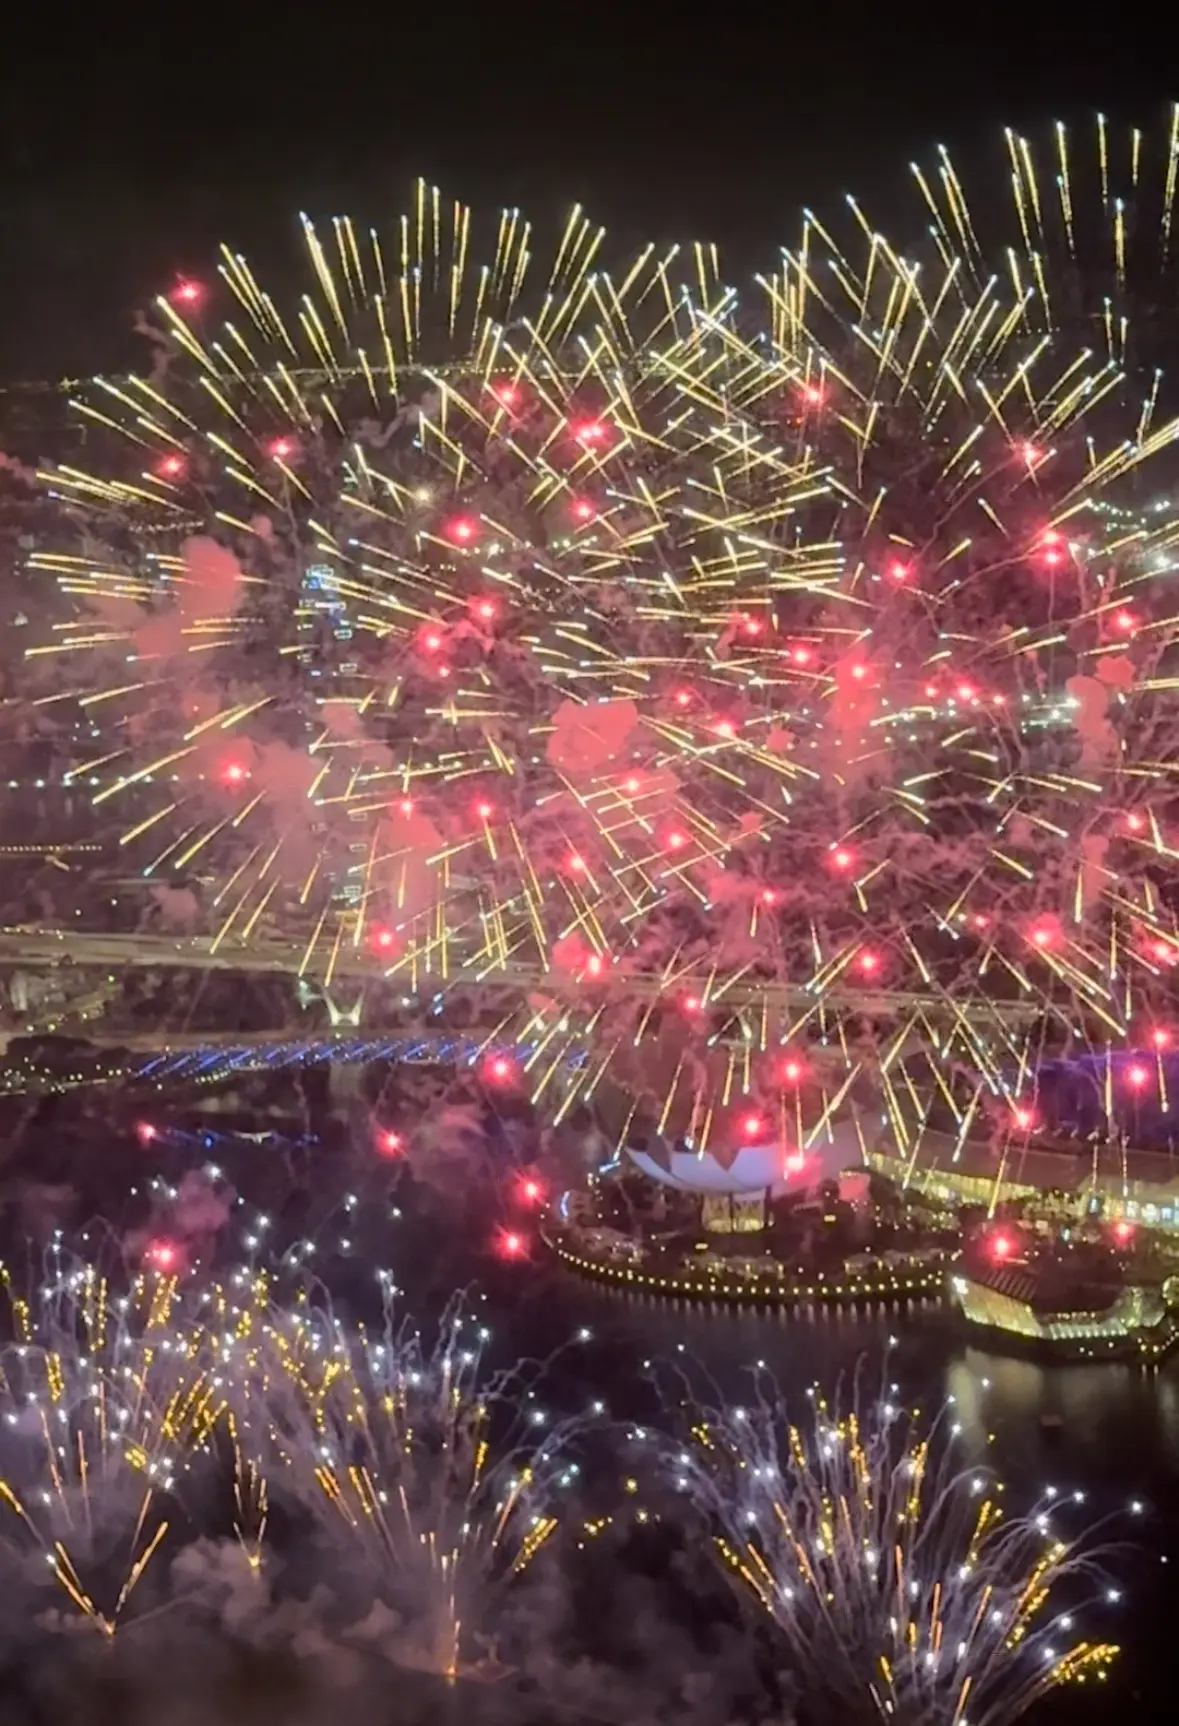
<point x="223" y="1058"/>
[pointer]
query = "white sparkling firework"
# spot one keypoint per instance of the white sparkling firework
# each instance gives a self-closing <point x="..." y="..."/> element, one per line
<point x="433" y="1479"/>
<point x="896" y="1585"/>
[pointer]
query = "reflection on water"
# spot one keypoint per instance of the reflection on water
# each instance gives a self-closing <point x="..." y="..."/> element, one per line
<point x="1111" y="1428"/>
<point x="1110" y="1432"/>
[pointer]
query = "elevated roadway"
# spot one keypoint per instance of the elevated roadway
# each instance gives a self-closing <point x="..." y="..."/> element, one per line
<point x="38" y="949"/>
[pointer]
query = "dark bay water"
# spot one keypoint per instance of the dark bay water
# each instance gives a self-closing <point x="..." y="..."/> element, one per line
<point x="1117" y="1441"/>
<point x="1114" y="1432"/>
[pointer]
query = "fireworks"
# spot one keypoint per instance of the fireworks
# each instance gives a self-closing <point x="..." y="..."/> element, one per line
<point x="663" y="662"/>
<point x="432" y="1478"/>
<point x="102" y="1403"/>
<point x="897" y="1587"/>
<point x="435" y="1480"/>
<point x="429" y="1483"/>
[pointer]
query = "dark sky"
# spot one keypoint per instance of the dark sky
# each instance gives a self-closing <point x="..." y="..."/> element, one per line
<point x="130" y="151"/>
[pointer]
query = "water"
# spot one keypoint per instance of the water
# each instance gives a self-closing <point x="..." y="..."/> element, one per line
<point x="1118" y="1441"/>
<point x="1115" y="1435"/>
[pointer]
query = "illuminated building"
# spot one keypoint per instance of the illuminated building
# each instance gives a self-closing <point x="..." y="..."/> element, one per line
<point x="1066" y="1181"/>
<point x="321" y="597"/>
<point x="736" y="1183"/>
<point x="1046" y="1307"/>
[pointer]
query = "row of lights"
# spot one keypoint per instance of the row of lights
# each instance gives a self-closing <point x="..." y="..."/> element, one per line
<point x="890" y="1288"/>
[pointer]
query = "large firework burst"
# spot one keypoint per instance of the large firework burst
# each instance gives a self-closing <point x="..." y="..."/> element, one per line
<point x="899" y="1589"/>
<point x="792" y="664"/>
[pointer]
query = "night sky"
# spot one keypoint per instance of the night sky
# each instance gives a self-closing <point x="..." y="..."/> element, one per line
<point x="129" y="153"/>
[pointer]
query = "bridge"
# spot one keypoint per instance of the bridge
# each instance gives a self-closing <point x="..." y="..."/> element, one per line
<point x="164" y="1056"/>
<point x="39" y="949"/>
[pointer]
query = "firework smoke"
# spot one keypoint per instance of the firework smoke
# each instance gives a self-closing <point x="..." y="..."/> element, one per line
<point x="432" y="1479"/>
<point x="627" y="651"/>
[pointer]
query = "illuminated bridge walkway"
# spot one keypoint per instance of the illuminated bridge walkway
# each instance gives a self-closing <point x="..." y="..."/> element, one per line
<point x="166" y="1058"/>
<point x="33" y="949"/>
